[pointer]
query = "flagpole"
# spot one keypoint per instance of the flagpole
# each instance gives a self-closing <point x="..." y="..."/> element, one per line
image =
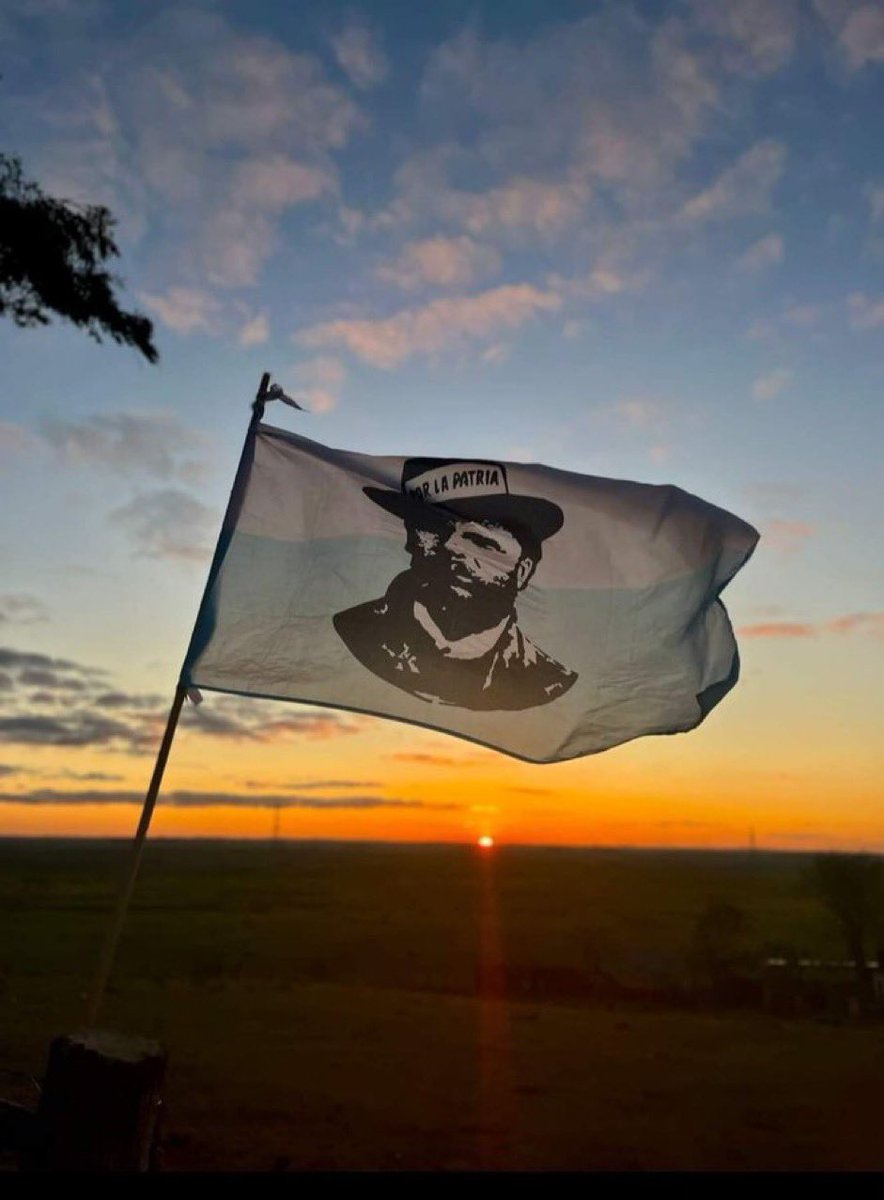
<point x="114" y="933"/>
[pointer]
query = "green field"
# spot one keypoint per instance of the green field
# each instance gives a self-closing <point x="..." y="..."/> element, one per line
<point x="342" y="1005"/>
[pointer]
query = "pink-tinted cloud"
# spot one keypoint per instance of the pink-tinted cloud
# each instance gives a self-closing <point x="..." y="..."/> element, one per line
<point x="757" y="37"/>
<point x="320" y="381"/>
<point x="860" y="624"/>
<point x="778" y="629"/>
<point x="744" y="187"/>
<point x="865" y="312"/>
<point x="185" y="310"/>
<point x="786" y="537"/>
<point x="450" y="262"/>
<point x="771" y="384"/>
<point x="387" y="341"/>
<point x="869" y="623"/>
<point x="360" y="54"/>
<point x="766" y="252"/>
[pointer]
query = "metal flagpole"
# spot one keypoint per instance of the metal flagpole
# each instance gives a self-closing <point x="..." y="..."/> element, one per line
<point x="112" y="940"/>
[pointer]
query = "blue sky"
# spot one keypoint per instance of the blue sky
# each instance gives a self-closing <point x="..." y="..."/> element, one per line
<point x="637" y="240"/>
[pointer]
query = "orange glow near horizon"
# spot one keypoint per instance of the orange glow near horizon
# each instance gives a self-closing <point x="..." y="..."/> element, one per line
<point x="758" y="764"/>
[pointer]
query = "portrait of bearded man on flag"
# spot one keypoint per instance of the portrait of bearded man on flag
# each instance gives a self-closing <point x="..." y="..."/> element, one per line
<point x="447" y="629"/>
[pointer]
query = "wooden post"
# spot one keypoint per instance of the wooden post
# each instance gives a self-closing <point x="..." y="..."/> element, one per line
<point x="100" y="1106"/>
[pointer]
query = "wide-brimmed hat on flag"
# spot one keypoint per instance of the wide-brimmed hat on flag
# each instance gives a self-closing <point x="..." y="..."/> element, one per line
<point x="474" y="489"/>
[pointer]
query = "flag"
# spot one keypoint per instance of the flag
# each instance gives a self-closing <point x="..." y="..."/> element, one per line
<point x="544" y="613"/>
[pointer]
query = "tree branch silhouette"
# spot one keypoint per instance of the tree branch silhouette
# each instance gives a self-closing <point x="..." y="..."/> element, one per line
<point x="52" y="256"/>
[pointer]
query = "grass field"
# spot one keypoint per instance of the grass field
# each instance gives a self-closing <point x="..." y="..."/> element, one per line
<point x="341" y="1005"/>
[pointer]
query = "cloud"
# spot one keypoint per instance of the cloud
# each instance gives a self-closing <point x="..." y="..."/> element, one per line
<point x="602" y="100"/>
<point x="517" y="206"/>
<point x="250" y="720"/>
<point x="189" y="799"/>
<point x="205" y="151"/>
<point x="17" y="660"/>
<point x="255" y="331"/>
<point x="157" y="444"/>
<point x="871" y="623"/>
<point x="743" y="187"/>
<point x="770" y="385"/>
<point x="14" y="439"/>
<point x="319" y="383"/>
<point x="9" y="769"/>
<point x="168" y="523"/>
<point x="875" y="196"/>
<point x="241" y="234"/>
<point x="786" y="537"/>
<point x="756" y="37"/>
<point x="185" y="310"/>
<point x="766" y="252"/>
<point x="360" y="55"/>
<point x="862" y="36"/>
<point x="22" y="609"/>
<point x="77" y="729"/>
<point x="778" y="629"/>
<point x="865" y="313"/>
<point x="451" y="262"/>
<point x="88" y="713"/>
<point x="863" y="624"/>
<point x="641" y="413"/>
<point x="387" y="341"/>
<point x="434" y="760"/>
<point x="315" y="784"/>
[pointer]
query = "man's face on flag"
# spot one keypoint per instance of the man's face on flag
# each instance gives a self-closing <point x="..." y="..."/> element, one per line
<point x="460" y="563"/>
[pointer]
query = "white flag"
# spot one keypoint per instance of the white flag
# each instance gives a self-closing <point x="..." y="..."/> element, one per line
<point x="541" y="612"/>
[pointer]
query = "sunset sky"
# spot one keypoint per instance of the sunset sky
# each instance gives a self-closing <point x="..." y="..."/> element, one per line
<point x="635" y="240"/>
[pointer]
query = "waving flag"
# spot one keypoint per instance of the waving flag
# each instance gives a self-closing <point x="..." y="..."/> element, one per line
<point x="541" y="612"/>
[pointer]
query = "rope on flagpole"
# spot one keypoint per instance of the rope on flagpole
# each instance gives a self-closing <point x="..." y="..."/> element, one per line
<point x="114" y="933"/>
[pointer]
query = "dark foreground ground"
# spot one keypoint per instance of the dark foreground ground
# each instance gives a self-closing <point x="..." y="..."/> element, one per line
<point x="353" y="1006"/>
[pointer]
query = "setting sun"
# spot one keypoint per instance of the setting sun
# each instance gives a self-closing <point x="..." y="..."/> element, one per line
<point x="486" y="842"/>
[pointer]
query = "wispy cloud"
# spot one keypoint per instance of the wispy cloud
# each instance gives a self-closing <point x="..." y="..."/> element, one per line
<point x="188" y="799"/>
<point x="744" y="187"/>
<point x="255" y="331"/>
<point x="450" y="262"/>
<point x="427" y="759"/>
<point x="786" y="537"/>
<point x="157" y="444"/>
<point x="360" y="54"/>
<point x="76" y="708"/>
<point x="22" y="609"/>
<point x="863" y="624"/>
<point x="865" y="312"/>
<point x="208" y="150"/>
<point x="186" y="310"/>
<point x="168" y="523"/>
<point x="766" y="252"/>
<point x="778" y="629"/>
<point x="771" y="384"/>
<point x="756" y="37"/>
<point x="859" y="28"/>
<point x="320" y="382"/>
<point x="387" y="341"/>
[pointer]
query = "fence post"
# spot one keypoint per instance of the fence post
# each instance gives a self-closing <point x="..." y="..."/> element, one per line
<point x="100" y="1105"/>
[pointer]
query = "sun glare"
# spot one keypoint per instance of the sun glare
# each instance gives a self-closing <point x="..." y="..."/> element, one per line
<point x="486" y="842"/>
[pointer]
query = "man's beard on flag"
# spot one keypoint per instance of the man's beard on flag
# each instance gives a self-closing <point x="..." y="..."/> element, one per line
<point x="460" y="600"/>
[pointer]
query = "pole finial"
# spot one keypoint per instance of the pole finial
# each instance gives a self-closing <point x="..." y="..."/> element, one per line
<point x="261" y="397"/>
